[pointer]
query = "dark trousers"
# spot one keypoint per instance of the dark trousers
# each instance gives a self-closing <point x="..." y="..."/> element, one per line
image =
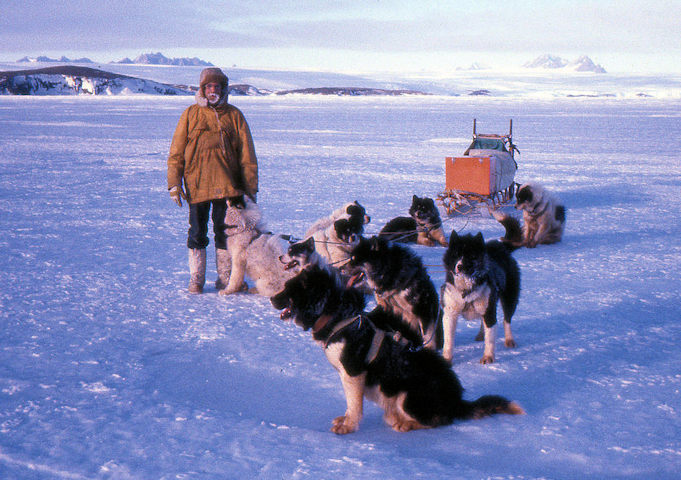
<point x="197" y="237"/>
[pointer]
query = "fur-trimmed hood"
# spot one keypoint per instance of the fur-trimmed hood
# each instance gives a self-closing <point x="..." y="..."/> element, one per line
<point x="208" y="75"/>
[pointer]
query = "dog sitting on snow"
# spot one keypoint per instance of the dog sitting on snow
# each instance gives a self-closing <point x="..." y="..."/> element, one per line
<point x="254" y="252"/>
<point x="415" y="387"/>
<point x="543" y="217"/>
<point x="338" y="234"/>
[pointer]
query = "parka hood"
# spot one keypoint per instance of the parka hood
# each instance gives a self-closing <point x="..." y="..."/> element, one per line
<point x="208" y="75"/>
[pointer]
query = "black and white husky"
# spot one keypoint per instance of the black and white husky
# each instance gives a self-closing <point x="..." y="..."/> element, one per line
<point x="254" y="251"/>
<point x="401" y="286"/>
<point x="352" y="211"/>
<point x="415" y="387"/>
<point x="336" y="241"/>
<point x="543" y="218"/>
<point x="423" y="227"/>
<point x="478" y="274"/>
<point x="301" y="255"/>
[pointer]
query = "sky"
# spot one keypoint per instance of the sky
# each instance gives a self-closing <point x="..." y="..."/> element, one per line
<point x="350" y="36"/>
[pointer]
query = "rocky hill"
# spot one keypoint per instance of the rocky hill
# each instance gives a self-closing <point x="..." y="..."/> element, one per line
<point x="74" y="80"/>
<point x="349" y="91"/>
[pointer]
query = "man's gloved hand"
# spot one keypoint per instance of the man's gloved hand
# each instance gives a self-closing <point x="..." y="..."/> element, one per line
<point x="177" y="194"/>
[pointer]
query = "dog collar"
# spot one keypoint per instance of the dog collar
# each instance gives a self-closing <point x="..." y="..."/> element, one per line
<point x="321" y="323"/>
<point x="324" y="319"/>
<point x="546" y="207"/>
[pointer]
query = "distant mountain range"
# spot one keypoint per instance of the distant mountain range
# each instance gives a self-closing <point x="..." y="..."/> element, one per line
<point x="144" y="59"/>
<point x="159" y="59"/>
<point x="582" y="64"/>
<point x="546" y="61"/>
<point x="54" y="60"/>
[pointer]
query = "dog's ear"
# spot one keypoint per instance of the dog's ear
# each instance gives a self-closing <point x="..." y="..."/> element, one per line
<point x="309" y="243"/>
<point x="524" y="194"/>
<point x="414" y="199"/>
<point x="453" y="238"/>
<point x="479" y="239"/>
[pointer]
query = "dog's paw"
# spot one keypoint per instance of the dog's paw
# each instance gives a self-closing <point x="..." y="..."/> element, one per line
<point x="510" y="343"/>
<point x="404" y="425"/>
<point x="228" y="291"/>
<point x="343" y="425"/>
<point x="447" y="356"/>
<point x="486" y="359"/>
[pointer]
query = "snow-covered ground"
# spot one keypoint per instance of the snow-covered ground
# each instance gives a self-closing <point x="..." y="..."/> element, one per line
<point x="110" y="370"/>
<point x="526" y="83"/>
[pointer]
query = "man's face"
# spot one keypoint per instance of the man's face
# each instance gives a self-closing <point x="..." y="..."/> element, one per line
<point x="212" y="91"/>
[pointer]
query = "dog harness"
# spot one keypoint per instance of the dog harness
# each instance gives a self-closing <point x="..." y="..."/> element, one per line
<point x="376" y="341"/>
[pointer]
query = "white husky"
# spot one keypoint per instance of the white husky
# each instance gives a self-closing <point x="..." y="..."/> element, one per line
<point x="254" y="251"/>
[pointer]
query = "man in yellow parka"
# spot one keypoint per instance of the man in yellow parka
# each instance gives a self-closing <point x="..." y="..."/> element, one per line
<point x="212" y="156"/>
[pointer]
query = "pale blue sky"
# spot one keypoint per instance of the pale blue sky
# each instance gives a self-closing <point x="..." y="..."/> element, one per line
<point x="368" y="35"/>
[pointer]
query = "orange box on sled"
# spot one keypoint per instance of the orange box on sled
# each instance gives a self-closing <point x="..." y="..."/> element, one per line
<point x="470" y="174"/>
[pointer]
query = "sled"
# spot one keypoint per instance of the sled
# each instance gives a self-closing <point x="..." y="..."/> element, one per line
<point x="484" y="174"/>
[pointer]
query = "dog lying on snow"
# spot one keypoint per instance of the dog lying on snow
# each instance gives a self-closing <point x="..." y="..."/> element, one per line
<point x="415" y="387"/>
<point x="478" y="274"/>
<point x="423" y="227"/>
<point x="401" y="286"/>
<point x="543" y="217"/>
<point x="254" y="252"/>
<point x="352" y="211"/>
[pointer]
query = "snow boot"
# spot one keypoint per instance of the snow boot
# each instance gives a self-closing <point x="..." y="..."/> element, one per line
<point x="223" y="264"/>
<point x="197" y="269"/>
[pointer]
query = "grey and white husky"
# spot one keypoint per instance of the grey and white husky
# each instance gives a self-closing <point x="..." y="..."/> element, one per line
<point x="543" y="217"/>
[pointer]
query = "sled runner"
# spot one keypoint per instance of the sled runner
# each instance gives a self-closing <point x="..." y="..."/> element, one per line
<point x="484" y="174"/>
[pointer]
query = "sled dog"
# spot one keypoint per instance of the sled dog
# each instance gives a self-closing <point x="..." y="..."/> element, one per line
<point x="335" y="242"/>
<point x="352" y="211"/>
<point x="301" y="255"/>
<point x="254" y="252"/>
<point x="401" y="286"/>
<point x="423" y="227"/>
<point x="543" y="218"/>
<point x="415" y="387"/>
<point x="478" y="274"/>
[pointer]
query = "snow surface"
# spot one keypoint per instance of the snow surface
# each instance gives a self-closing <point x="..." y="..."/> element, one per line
<point x="110" y="370"/>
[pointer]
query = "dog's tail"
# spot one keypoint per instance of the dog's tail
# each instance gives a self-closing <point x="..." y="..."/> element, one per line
<point x="488" y="405"/>
<point x="513" y="237"/>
